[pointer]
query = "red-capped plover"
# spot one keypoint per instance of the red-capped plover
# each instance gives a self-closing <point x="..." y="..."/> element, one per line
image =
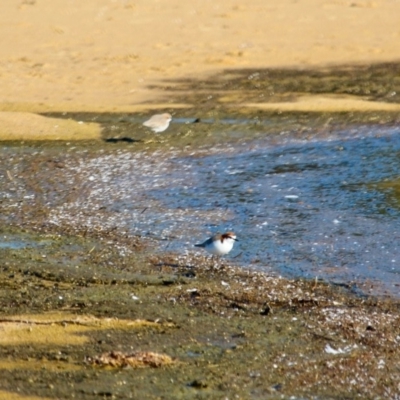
<point x="219" y="244"/>
<point x="159" y="122"/>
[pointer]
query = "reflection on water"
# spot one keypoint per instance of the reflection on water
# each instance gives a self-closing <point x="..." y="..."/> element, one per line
<point x="299" y="207"/>
<point x="20" y="241"/>
<point x="304" y="208"/>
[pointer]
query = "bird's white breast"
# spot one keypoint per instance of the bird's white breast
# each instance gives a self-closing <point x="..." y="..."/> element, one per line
<point x="220" y="248"/>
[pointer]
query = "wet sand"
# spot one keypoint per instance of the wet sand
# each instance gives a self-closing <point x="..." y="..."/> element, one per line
<point x="89" y="311"/>
<point x="74" y="300"/>
<point x="125" y="56"/>
<point x="89" y="321"/>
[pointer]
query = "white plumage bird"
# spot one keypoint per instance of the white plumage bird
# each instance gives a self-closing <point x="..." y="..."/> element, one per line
<point x="158" y="122"/>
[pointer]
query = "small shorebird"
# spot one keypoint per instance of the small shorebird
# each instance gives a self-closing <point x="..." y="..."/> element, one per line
<point x="219" y="244"/>
<point x="159" y="122"/>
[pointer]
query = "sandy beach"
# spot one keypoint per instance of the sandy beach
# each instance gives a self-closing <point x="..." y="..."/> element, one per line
<point x="102" y="294"/>
<point x="126" y="56"/>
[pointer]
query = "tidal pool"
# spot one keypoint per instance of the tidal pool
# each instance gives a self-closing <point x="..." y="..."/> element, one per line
<point x="75" y="221"/>
<point x="306" y="208"/>
<point x="301" y="207"/>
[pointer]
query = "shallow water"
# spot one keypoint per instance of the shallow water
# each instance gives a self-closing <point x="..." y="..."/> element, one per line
<point x="14" y="243"/>
<point x="308" y="208"/>
<point x="300" y="207"/>
<point x="303" y="208"/>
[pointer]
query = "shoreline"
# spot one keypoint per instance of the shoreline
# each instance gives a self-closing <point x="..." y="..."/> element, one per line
<point x="209" y="321"/>
<point x="77" y="297"/>
<point x="346" y="90"/>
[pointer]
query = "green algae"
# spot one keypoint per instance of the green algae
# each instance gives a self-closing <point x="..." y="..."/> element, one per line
<point x="392" y="189"/>
<point x="229" y="332"/>
<point x="221" y="100"/>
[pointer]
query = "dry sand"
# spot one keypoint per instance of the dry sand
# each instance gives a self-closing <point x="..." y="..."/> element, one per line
<point x="104" y="55"/>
